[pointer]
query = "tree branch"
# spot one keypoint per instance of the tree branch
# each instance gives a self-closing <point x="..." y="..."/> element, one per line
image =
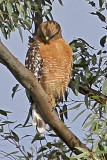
<point x="95" y="95"/>
<point x="84" y="89"/>
<point x="37" y="17"/>
<point x="28" y="80"/>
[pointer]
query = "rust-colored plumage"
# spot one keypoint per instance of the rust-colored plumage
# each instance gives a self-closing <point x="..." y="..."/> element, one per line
<point x="50" y="60"/>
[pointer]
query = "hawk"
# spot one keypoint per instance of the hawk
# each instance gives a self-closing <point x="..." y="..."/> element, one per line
<point x="49" y="58"/>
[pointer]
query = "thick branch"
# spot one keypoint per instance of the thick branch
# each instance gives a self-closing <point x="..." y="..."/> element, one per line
<point x="26" y="78"/>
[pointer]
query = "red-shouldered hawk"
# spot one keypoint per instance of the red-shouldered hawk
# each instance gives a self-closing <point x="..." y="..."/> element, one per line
<point x="50" y="59"/>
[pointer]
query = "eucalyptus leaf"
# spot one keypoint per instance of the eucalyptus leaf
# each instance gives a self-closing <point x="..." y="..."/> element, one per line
<point x="15" y="136"/>
<point x="14" y="89"/>
<point x="2" y="112"/>
<point x="60" y="1"/>
<point x="104" y="91"/>
<point x="77" y="80"/>
<point x="9" y="9"/>
<point x="20" y="31"/>
<point x="79" y="115"/>
<point x="75" y="107"/>
<point x="43" y="148"/>
<point x="103" y="41"/>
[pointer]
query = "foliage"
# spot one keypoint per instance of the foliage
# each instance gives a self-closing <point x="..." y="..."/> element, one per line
<point x="89" y="71"/>
<point x="19" y="14"/>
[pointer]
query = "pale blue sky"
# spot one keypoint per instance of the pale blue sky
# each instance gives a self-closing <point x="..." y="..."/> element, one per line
<point x="75" y="21"/>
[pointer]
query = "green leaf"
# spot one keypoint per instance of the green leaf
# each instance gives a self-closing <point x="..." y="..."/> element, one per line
<point x="86" y="100"/>
<point x="99" y="52"/>
<point x="83" y="150"/>
<point x="16" y="138"/>
<point x="73" y="46"/>
<point x="53" y="135"/>
<point x="14" y="89"/>
<point x="43" y="148"/>
<point x="103" y="41"/>
<point x="51" y="17"/>
<point x="75" y="107"/>
<point x="28" y="23"/>
<point x="101" y="16"/>
<point x="78" y="156"/>
<point x="20" y="31"/>
<point x="106" y="8"/>
<point x="75" y="57"/>
<point x="92" y="3"/>
<point x="106" y="107"/>
<point x="85" y="155"/>
<point x="1" y="128"/>
<point x="60" y="1"/>
<point x="1" y="16"/>
<point x="88" y="124"/>
<point x="19" y="125"/>
<point x="77" y="80"/>
<point x="65" y="111"/>
<point x="18" y="7"/>
<point x="39" y="157"/>
<point x="4" y="113"/>
<point x="61" y="115"/>
<point x="79" y="115"/>
<point x="7" y="122"/>
<point x="4" y="32"/>
<point x="29" y="155"/>
<point x="49" y="2"/>
<point x="28" y="117"/>
<point x="86" y="118"/>
<point x="13" y="152"/>
<point x="38" y="137"/>
<point x="29" y="5"/>
<point x="46" y="12"/>
<point x="101" y="3"/>
<point x="104" y="91"/>
<point x="49" y="145"/>
<point x="94" y="59"/>
<point x="9" y="9"/>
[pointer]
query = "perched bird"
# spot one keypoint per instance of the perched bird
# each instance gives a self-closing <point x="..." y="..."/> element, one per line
<point x="49" y="58"/>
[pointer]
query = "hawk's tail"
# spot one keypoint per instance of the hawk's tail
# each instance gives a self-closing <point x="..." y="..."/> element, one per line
<point x="38" y="121"/>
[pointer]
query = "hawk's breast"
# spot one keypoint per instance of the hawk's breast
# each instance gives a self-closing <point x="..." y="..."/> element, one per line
<point x="52" y="65"/>
<point x="57" y="66"/>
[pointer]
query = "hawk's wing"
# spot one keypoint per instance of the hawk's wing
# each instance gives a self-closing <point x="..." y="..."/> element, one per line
<point x="34" y="63"/>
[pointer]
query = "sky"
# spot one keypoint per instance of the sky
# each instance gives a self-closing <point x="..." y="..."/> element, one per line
<point x="76" y="21"/>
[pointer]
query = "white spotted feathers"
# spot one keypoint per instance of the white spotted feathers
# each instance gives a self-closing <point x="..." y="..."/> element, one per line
<point x="35" y="63"/>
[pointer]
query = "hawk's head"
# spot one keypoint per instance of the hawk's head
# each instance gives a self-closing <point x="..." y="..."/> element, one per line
<point x="49" y="31"/>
